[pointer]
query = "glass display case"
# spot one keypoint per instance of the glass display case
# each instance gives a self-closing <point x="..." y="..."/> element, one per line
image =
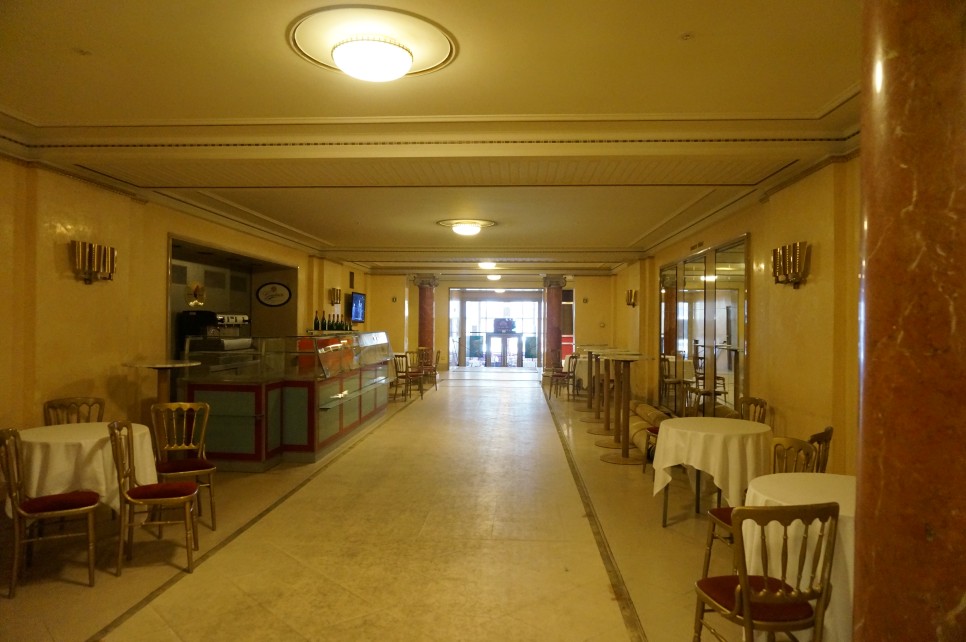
<point x="295" y="397"/>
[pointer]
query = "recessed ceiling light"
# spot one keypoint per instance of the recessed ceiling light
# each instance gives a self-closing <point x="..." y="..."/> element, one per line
<point x="494" y="277"/>
<point x="486" y="265"/>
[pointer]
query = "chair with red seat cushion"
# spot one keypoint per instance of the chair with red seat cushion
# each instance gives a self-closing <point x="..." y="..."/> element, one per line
<point x="179" y="446"/>
<point x="29" y="512"/>
<point x="793" y="592"/>
<point x="153" y="498"/>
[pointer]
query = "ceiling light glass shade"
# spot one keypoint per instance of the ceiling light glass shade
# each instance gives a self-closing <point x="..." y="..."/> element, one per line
<point x="466" y="229"/>
<point x="494" y="277"/>
<point x="372" y="58"/>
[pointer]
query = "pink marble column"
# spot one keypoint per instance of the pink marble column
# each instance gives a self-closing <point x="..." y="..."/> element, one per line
<point x="427" y="311"/>
<point x="554" y="296"/>
<point x="910" y="570"/>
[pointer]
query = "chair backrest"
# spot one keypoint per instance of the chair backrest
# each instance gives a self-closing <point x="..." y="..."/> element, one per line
<point x="753" y="409"/>
<point x="73" y="410"/>
<point x="793" y="545"/>
<point x="11" y="465"/>
<point x="179" y="429"/>
<point x="790" y="455"/>
<point x="822" y="442"/>
<point x="572" y="361"/>
<point x="692" y="401"/>
<point x="400" y="363"/>
<point x="122" y="450"/>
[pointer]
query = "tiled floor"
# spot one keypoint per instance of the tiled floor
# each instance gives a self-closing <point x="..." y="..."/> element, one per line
<point x="461" y="516"/>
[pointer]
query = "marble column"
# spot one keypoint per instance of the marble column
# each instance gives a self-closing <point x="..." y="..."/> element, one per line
<point x="427" y="311"/>
<point x="554" y="296"/>
<point x="910" y="570"/>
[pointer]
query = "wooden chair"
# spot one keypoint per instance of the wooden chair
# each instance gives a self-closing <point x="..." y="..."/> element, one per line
<point x="153" y="498"/>
<point x="793" y="591"/>
<point x="790" y="455"/>
<point x="753" y="409"/>
<point x="179" y="447"/>
<point x="29" y="513"/>
<point x="73" y="410"/>
<point x="411" y="372"/>
<point x="566" y="377"/>
<point x="430" y="368"/>
<point x="821" y="441"/>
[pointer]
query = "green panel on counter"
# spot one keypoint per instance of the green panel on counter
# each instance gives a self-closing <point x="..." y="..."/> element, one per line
<point x="230" y="435"/>
<point x="235" y="403"/>
<point x="350" y="412"/>
<point x="328" y="423"/>
<point x="295" y="413"/>
<point x="368" y="401"/>
<point x="273" y="419"/>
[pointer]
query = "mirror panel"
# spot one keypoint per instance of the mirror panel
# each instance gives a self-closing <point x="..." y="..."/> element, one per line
<point x="703" y="321"/>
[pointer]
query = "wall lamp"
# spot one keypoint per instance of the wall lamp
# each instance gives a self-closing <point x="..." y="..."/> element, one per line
<point x="789" y="263"/>
<point x="335" y="296"/>
<point x="94" y="262"/>
<point x="630" y="297"/>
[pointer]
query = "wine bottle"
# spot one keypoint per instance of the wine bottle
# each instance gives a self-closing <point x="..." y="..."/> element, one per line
<point x="317" y="325"/>
<point x="325" y="326"/>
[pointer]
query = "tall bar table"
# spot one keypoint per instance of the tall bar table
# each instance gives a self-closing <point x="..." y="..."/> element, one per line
<point x="622" y="406"/>
<point x="163" y="368"/>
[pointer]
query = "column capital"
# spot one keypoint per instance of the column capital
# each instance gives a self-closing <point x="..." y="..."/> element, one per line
<point x="426" y="280"/>
<point x="554" y="281"/>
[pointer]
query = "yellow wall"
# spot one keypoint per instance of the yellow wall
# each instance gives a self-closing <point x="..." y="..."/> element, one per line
<point x="65" y="338"/>
<point x="594" y="310"/>
<point x="802" y="343"/>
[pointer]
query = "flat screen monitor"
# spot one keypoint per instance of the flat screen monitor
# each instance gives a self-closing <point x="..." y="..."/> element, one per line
<point x="357" y="307"/>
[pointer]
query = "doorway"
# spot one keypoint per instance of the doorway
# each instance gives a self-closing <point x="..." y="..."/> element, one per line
<point x="496" y="328"/>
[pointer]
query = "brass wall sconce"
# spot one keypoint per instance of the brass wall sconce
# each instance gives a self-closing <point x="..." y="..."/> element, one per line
<point x="789" y="263"/>
<point x="630" y="298"/>
<point x="335" y="296"/>
<point x="93" y="262"/>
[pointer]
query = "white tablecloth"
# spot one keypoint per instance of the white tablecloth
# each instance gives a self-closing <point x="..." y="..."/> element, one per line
<point x="784" y="489"/>
<point x="67" y="457"/>
<point x="732" y="451"/>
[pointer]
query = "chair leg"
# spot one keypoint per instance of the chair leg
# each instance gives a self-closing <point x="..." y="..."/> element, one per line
<point x="211" y="498"/>
<point x="121" y="534"/>
<point x="19" y="550"/>
<point x="91" y="539"/>
<point x="707" y="548"/>
<point x="189" y="536"/>
<point x="698" y="620"/>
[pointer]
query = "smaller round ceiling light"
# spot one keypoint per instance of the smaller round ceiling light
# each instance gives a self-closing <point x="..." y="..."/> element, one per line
<point x="466" y="226"/>
<point x="493" y="277"/>
<point x="486" y="265"/>
<point x="375" y="44"/>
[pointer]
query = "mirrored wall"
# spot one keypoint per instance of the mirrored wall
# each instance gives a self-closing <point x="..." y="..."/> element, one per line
<point x="704" y="315"/>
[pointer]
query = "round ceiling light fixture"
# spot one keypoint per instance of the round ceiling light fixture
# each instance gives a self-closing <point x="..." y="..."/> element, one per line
<point x="372" y="58"/>
<point x="493" y="277"/>
<point x="375" y="44"/>
<point x="466" y="226"/>
<point x="486" y="265"/>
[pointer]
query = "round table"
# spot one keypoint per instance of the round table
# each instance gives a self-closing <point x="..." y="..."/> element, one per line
<point x="732" y="451"/>
<point x="785" y="489"/>
<point x="67" y="457"/>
